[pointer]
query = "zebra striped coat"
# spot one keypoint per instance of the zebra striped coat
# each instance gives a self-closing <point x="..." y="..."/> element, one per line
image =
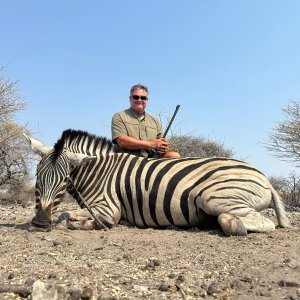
<point x="151" y="192"/>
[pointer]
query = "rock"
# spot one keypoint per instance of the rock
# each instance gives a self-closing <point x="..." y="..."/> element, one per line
<point x="60" y="291"/>
<point x="42" y="291"/>
<point x="89" y="264"/>
<point x="236" y="284"/>
<point x="29" y="281"/>
<point x="126" y="256"/>
<point x="74" y="294"/>
<point x="214" y="288"/>
<point x="11" y="275"/>
<point x="52" y="275"/>
<point x="201" y="294"/>
<point x="287" y="260"/>
<point x="271" y="212"/>
<point x="181" y="278"/>
<point x="87" y="293"/>
<point x="263" y="293"/>
<point x="288" y="283"/>
<point x="227" y="297"/>
<point x="292" y="297"/>
<point x="163" y="287"/>
<point x="107" y="297"/>
<point x="153" y="262"/>
<point x="56" y="243"/>
<point x="140" y="288"/>
<point x="245" y="279"/>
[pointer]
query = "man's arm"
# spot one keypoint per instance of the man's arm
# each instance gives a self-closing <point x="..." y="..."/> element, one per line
<point x="120" y="136"/>
<point x="130" y="143"/>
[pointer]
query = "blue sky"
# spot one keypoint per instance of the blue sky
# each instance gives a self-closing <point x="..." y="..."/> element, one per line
<point x="231" y="65"/>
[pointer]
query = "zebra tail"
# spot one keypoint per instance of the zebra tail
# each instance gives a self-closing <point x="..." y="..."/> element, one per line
<point x="281" y="214"/>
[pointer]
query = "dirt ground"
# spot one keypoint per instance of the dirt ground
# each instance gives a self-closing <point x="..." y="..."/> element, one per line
<point x="131" y="263"/>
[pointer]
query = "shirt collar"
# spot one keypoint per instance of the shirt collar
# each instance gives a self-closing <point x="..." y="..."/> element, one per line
<point x="140" y="118"/>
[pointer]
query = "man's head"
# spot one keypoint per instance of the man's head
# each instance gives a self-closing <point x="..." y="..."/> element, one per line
<point x="138" y="98"/>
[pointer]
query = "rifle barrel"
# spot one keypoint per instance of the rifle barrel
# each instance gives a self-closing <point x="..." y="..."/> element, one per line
<point x="171" y="121"/>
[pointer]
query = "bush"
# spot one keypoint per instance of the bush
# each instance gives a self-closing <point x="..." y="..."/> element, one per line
<point x="193" y="146"/>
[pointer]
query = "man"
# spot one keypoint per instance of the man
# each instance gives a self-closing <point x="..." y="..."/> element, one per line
<point x="135" y="131"/>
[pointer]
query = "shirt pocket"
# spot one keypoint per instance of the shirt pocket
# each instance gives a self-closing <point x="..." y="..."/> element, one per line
<point x="132" y="129"/>
<point x="151" y="132"/>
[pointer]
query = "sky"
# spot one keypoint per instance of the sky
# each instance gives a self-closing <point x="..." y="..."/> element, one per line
<point x="231" y="65"/>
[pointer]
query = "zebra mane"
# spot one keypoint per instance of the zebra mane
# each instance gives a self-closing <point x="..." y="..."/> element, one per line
<point x="79" y="141"/>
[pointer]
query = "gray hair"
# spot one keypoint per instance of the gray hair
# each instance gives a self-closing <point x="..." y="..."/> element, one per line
<point x="138" y="86"/>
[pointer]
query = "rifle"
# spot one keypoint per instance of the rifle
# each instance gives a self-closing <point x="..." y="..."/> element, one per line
<point x="85" y="205"/>
<point x="152" y="153"/>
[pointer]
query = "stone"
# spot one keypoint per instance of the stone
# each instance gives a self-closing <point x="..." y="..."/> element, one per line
<point x="42" y="291"/>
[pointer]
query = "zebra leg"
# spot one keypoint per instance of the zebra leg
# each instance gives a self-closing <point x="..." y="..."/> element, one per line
<point x="77" y="215"/>
<point x="81" y="219"/>
<point x="256" y="222"/>
<point x="235" y="215"/>
<point x="227" y="213"/>
<point x="240" y="225"/>
<point x="82" y="225"/>
<point x="232" y="225"/>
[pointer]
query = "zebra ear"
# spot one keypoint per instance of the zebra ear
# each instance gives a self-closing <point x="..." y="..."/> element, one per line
<point x="77" y="159"/>
<point x="36" y="146"/>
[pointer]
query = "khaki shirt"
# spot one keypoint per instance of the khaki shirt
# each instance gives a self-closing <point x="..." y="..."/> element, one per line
<point x="128" y="123"/>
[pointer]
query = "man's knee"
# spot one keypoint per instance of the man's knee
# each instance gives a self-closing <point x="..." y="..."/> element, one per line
<point x="171" y="154"/>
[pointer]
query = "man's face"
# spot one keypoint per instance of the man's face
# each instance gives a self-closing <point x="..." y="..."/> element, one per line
<point x="138" y="105"/>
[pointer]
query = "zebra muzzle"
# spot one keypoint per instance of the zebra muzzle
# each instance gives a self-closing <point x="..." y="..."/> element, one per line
<point x="33" y="228"/>
<point x="40" y="224"/>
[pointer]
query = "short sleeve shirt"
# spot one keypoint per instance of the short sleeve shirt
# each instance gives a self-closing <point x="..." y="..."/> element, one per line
<point x="128" y="123"/>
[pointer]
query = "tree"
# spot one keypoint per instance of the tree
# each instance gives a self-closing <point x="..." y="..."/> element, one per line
<point x="10" y="100"/>
<point x="189" y="145"/>
<point x="278" y="183"/>
<point x="195" y="146"/>
<point x="15" y="157"/>
<point x="285" y="139"/>
<point x="289" y="188"/>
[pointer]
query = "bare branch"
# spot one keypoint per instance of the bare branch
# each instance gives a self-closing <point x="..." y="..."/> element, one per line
<point x="15" y="157"/>
<point x="284" y="141"/>
<point x="193" y="146"/>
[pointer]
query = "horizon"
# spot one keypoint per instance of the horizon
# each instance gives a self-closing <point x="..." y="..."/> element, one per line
<point x="231" y="66"/>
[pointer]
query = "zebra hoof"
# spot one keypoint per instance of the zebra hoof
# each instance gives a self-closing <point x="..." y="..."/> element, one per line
<point x="232" y="225"/>
<point x="73" y="225"/>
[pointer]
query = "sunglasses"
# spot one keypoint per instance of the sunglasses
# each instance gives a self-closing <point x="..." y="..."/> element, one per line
<point x="136" y="97"/>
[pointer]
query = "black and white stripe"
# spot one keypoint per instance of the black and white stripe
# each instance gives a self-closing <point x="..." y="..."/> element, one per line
<point x="157" y="192"/>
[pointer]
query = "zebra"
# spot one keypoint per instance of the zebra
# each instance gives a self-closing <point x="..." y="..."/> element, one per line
<point x="184" y="192"/>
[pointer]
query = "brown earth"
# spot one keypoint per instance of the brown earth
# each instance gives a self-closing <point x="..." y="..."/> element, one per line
<point x="131" y="263"/>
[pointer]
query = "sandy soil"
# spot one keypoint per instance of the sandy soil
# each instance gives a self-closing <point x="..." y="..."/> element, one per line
<point x="131" y="263"/>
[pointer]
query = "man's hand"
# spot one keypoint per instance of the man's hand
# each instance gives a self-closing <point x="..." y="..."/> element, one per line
<point x="130" y="143"/>
<point x="160" y="145"/>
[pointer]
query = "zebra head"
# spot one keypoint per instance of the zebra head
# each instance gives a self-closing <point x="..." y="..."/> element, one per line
<point x="51" y="179"/>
